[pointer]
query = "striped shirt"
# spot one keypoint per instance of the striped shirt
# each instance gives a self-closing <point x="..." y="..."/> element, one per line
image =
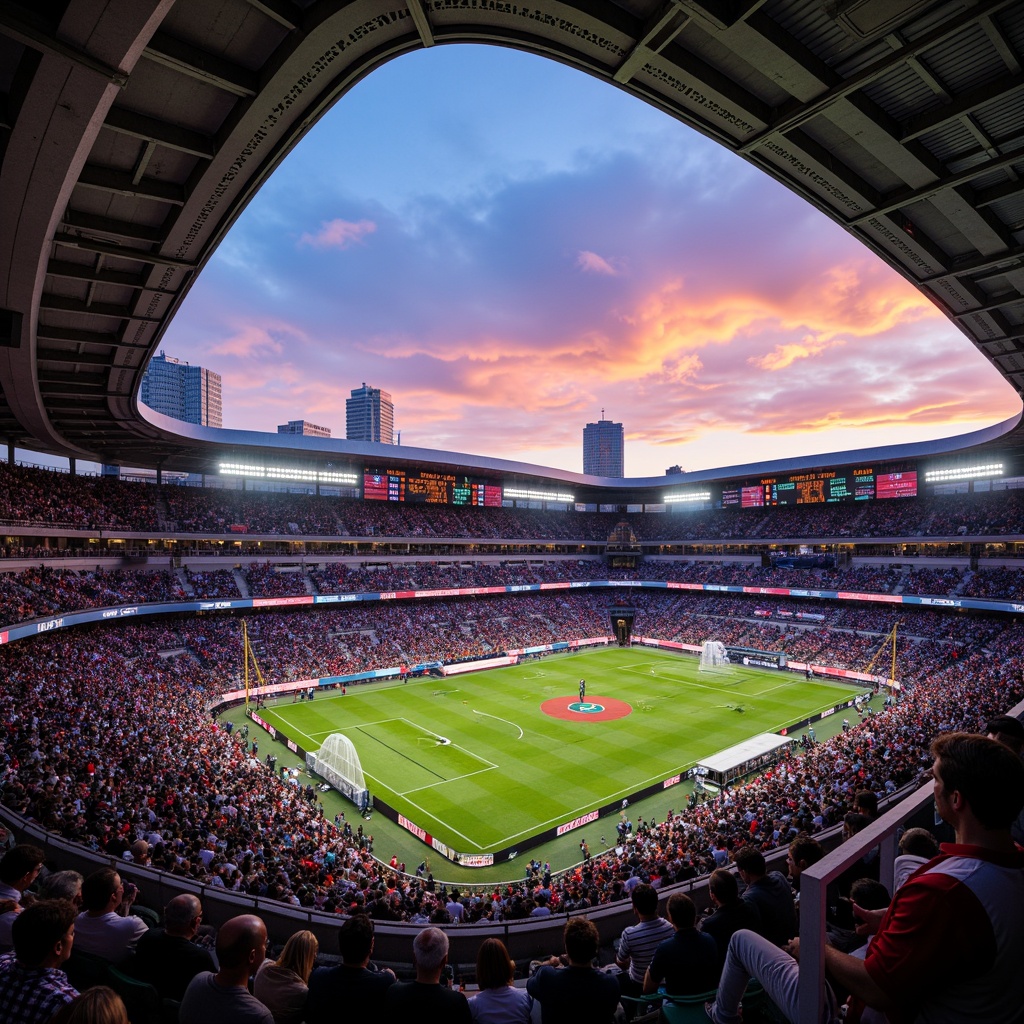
<point x="639" y="941"/>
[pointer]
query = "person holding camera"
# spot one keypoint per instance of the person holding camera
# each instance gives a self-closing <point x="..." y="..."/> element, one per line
<point x="106" y="927"/>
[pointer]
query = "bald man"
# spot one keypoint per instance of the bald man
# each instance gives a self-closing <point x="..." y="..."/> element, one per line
<point x="223" y="998"/>
<point x="168" y="957"/>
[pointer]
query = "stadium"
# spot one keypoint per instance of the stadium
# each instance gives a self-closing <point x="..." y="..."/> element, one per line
<point x="440" y="609"/>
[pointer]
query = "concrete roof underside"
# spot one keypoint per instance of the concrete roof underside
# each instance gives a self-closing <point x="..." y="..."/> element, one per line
<point x="133" y="133"/>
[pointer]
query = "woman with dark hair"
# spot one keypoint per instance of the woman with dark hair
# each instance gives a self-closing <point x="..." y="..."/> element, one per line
<point x="498" y="1002"/>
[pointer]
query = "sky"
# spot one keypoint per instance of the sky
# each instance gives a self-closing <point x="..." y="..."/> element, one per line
<point x="512" y="249"/>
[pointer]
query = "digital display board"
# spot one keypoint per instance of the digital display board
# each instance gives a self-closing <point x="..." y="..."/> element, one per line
<point x="858" y="483"/>
<point x="384" y="486"/>
<point x="427" y="488"/>
<point x="896" y="485"/>
<point x="471" y="491"/>
<point x="751" y="497"/>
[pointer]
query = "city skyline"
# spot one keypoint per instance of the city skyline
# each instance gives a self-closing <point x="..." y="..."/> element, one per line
<point x="541" y="246"/>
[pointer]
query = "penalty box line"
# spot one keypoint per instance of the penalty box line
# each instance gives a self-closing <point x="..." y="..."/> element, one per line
<point x="457" y="778"/>
<point x="488" y="765"/>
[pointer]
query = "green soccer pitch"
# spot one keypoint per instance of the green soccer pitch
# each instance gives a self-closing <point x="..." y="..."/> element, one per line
<point x="509" y="770"/>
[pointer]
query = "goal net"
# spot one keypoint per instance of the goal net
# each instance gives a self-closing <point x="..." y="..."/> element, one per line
<point x="338" y="764"/>
<point x="712" y="655"/>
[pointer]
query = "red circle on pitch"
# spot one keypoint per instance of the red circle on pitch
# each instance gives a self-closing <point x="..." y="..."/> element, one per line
<point x="558" y="707"/>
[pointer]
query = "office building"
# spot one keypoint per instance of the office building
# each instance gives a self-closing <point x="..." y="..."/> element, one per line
<point x="370" y="416"/>
<point x="604" y="449"/>
<point x="303" y="427"/>
<point x="184" y="392"/>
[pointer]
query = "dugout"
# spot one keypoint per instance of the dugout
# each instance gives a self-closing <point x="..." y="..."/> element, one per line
<point x="749" y="756"/>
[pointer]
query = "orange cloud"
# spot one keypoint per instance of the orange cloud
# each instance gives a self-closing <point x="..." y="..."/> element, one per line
<point x="338" y="234"/>
<point x="849" y="352"/>
<point x="785" y="355"/>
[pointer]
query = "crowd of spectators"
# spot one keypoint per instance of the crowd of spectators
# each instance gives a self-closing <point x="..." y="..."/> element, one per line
<point x="41" y="590"/>
<point x="266" y="580"/>
<point x="60" y="500"/>
<point x="212" y="583"/>
<point x="106" y="736"/>
<point x="107" y="740"/>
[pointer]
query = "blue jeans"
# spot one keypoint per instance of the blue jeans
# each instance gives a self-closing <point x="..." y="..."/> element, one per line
<point x="751" y="956"/>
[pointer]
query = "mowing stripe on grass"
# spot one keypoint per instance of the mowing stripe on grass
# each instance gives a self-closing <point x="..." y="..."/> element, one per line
<point x="454" y="831"/>
<point x="457" y="778"/>
<point x="290" y="727"/>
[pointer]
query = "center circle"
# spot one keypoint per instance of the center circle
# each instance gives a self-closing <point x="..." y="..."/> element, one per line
<point x="597" y="709"/>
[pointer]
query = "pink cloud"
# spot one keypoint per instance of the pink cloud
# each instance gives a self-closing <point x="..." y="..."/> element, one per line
<point x="785" y="355"/>
<point x="848" y="351"/>
<point x="338" y="234"/>
<point x="594" y="264"/>
<point x="842" y="354"/>
<point x="265" y="338"/>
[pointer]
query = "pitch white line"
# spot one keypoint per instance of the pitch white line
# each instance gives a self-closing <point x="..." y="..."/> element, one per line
<point x="286" y="726"/>
<point x="458" y="778"/>
<point x="429" y="816"/>
<point x="497" y="719"/>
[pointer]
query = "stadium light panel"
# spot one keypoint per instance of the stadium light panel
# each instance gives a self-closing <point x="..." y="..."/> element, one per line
<point x="515" y="492"/>
<point x="688" y="496"/>
<point x="281" y="473"/>
<point x="937" y="476"/>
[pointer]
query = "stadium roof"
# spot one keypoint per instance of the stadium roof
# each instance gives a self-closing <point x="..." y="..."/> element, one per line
<point x="134" y="132"/>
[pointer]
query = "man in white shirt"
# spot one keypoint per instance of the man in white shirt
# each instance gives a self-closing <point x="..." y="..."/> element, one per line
<point x="106" y="928"/>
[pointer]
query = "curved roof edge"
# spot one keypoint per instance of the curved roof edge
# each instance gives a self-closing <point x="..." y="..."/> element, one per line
<point x="227" y="443"/>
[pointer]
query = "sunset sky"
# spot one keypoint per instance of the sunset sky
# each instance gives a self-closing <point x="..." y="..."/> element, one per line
<point x="509" y="247"/>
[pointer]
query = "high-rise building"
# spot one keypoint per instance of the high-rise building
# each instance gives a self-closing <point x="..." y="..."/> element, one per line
<point x="604" y="449"/>
<point x="303" y="427"/>
<point x="184" y="392"/>
<point x="370" y="416"/>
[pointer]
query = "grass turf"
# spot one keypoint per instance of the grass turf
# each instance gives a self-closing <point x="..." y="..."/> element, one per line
<point x="510" y="771"/>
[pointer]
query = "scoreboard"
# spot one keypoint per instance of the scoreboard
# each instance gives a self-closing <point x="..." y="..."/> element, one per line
<point x="428" y="488"/>
<point x="384" y="486"/>
<point x="859" y="483"/>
